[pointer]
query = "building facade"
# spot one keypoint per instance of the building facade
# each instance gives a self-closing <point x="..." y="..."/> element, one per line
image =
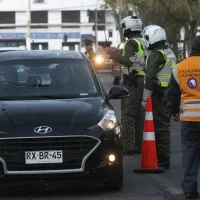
<point x="52" y="19"/>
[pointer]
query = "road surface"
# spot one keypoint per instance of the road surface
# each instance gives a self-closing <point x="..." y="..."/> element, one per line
<point x="136" y="186"/>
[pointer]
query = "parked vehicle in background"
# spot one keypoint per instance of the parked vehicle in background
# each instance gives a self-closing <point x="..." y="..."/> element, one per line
<point x="102" y="61"/>
<point x="116" y="70"/>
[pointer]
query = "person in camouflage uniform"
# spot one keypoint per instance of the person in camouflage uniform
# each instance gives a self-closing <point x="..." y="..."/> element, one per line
<point x="132" y="113"/>
<point x="159" y="65"/>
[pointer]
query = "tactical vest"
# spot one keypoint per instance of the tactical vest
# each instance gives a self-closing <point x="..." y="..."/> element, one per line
<point x="165" y="70"/>
<point x="187" y="75"/>
<point x="142" y="51"/>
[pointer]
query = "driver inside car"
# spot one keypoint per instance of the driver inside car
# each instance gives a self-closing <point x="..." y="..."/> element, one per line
<point x="60" y="77"/>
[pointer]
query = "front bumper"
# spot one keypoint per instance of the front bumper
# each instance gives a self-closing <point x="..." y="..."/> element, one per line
<point x="94" y="164"/>
<point x="95" y="174"/>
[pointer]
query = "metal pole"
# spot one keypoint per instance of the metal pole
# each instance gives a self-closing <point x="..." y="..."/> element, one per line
<point x="28" y="33"/>
<point x="96" y="20"/>
<point x="80" y="29"/>
<point x="120" y="19"/>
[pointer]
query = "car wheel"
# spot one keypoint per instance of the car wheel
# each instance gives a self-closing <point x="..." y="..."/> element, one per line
<point x="115" y="184"/>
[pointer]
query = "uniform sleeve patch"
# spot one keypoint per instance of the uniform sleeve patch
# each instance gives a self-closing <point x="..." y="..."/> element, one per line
<point x="192" y="83"/>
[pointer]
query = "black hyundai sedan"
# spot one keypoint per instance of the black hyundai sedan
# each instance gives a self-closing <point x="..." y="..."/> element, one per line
<point x="56" y="121"/>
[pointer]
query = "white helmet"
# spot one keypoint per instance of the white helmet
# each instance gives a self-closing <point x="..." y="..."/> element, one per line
<point x="154" y="33"/>
<point x="145" y="28"/>
<point x="131" y="23"/>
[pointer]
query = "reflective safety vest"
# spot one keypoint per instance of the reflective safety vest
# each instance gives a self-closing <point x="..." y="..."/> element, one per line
<point x="142" y="51"/>
<point x="187" y="75"/>
<point x="165" y="70"/>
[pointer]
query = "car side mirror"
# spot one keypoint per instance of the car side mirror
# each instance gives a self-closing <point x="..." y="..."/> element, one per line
<point x="118" y="92"/>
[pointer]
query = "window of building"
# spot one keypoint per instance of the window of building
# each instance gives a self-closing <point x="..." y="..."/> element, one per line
<point x="12" y="43"/>
<point x="99" y="28"/>
<point x="100" y="16"/>
<point x="39" y="17"/>
<point x="71" y="16"/>
<point x="7" y="17"/>
<point x="71" y="45"/>
<point x="36" y="45"/>
<point x="39" y="1"/>
<point x="100" y="19"/>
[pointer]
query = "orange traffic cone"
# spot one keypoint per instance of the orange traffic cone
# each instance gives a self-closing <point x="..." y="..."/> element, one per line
<point x="149" y="162"/>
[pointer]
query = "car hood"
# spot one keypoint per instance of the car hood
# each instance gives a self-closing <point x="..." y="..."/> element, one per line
<point x="69" y="116"/>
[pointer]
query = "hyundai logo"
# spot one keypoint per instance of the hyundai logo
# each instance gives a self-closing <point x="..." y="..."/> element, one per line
<point x="42" y="130"/>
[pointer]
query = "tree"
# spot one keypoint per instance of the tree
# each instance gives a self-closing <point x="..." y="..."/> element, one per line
<point x="163" y="13"/>
<point x="120" y="9"/>
<point x="193" y="20"/>
<point x="172" y="15"/>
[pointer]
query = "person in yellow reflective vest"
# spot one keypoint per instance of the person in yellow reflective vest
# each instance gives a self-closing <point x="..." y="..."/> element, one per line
<point x="183" y="97"/>
<point x="159" y="64"/>
<point x="132" y="113"/>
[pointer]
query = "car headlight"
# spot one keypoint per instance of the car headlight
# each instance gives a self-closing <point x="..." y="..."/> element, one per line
<point x="109" y="121"/>
<point x="99" y="59"/>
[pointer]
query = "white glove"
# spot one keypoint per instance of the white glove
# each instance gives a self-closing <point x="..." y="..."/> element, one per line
<point x="146" y="94"/>
<point x="143" y="104"/>
<point x="137" y="59"/>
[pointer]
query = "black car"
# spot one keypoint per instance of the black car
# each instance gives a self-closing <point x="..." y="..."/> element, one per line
<point x="56" y="120"/>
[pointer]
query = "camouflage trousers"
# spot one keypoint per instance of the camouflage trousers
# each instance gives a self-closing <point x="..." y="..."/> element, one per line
<point x="162" y="120"/>
<point x="132" y="117"/>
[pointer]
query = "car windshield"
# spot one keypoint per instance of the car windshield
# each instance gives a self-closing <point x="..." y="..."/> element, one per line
<point x="47" y="78"/>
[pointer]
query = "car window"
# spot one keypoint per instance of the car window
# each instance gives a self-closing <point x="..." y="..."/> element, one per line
<point x="59" y="78"/>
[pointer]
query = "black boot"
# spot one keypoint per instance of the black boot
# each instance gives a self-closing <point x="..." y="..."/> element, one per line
<point x="164" y="162"/>
<point x="137" y="151"/>
<point x="191" y="195"/>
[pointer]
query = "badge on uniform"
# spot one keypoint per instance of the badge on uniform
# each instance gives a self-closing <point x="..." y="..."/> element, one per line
<point x="192" y="83"/>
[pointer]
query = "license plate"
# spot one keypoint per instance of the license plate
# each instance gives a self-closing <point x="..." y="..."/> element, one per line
<point x="42" y="157"/>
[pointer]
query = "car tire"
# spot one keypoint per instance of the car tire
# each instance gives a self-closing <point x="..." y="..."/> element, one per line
<point x="115" y="184"/>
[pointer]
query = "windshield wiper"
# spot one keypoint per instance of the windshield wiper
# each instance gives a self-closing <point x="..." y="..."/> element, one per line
<point x="57" y="96"/>
<point x="47" y="97"/>
<point x="11" y="83"/>
<point x="6" y="98"/>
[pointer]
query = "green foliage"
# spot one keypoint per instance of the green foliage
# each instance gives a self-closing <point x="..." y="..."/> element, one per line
<point x="172" y="15"/>
<point x="120" y="9"/>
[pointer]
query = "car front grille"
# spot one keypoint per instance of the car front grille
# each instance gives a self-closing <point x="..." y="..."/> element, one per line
<point x="74" y="150"/>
